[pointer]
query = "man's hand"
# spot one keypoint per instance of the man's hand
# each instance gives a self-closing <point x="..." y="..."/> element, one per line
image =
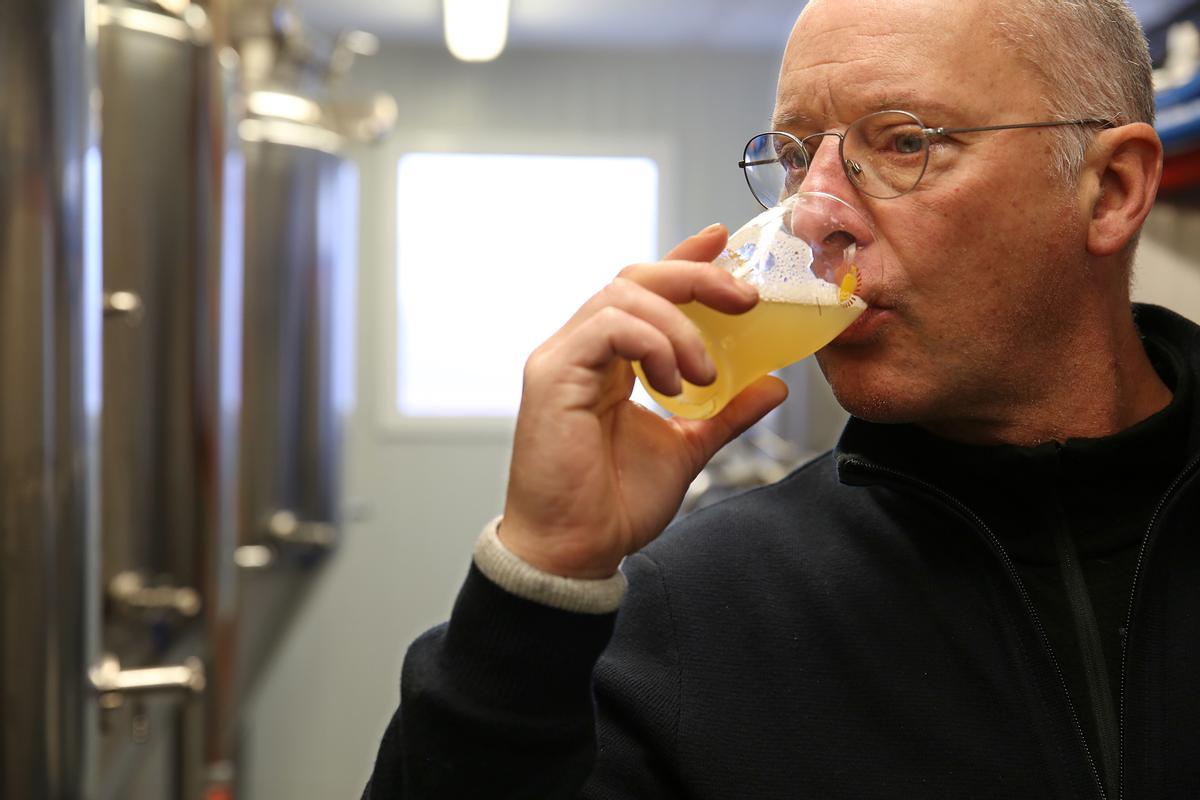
<point x="594" y="476"/>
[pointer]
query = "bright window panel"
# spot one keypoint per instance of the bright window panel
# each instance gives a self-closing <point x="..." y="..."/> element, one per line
<point x="495" y="254"/>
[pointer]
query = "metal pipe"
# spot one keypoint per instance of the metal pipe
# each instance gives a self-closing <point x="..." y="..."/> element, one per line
<point x="224" y="193"/>
<point x="50" y="307"/>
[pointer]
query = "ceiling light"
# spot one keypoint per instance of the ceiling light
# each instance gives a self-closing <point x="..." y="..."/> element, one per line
<point x="283" y="106"/>
<point x="476" y="30"/>
<point x="361" y="43"/>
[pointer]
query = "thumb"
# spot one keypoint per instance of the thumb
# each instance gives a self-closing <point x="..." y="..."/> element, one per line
<point x="703" y="246"/>
<point x="751" y="405"/>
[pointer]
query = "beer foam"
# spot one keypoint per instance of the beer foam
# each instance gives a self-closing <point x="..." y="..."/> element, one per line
<point x="810" y="292"/>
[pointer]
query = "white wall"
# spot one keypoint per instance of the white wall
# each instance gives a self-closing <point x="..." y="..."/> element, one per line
<point x="1168" y="264"/>
<point x="315" y="724"/>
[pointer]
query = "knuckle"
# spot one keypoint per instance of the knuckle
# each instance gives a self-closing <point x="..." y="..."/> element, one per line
<point x="628" y="273"/>
<point x="609" y="316"/>
<point x="537" y="363"/>
<point x="621" y="289"/>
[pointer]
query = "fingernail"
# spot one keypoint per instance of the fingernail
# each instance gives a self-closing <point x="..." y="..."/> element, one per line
<point x="710" y="367"/>
<point x="716" y="226"/>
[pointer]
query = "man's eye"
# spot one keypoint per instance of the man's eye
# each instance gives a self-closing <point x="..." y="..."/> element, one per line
<point x="908" y="143"/>
<point x="791" y="158"/>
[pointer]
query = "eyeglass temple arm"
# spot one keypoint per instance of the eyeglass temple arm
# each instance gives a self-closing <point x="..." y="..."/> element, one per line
<point x="982" y="129"/>
<point x="946" y="131"/>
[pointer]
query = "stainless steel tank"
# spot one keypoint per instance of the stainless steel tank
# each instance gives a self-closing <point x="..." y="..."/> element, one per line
<point x="172" y="345"/>
<point x="49" y="310"/>
<point x="157" y="368"/>
<point x="298" y="254"/>
<point x="228" y="312"/>
<point x="142" y="582"/>
<point x="301" y="230"/>
<point x="296" y="246"/>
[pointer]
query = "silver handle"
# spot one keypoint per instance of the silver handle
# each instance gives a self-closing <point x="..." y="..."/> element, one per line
<point x="114" y="684"/>
<point x="285" y="526"/>
<point x="123" y="305"/>
<point x="283" y="531"/>
<point x="131" y="596"/>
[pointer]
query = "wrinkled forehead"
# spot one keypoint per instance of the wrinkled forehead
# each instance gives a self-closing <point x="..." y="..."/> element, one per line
<point x="940" y="59"/>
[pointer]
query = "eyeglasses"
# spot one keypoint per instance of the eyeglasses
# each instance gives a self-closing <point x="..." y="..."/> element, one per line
<point x="884" y="155"/>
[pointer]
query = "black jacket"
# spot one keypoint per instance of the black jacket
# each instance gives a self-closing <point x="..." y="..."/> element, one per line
<point x="853" y="631"/>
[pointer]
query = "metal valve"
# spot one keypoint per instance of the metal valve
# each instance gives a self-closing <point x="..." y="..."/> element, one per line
<point x="285" y="526"/>
<point x="125" y="305"/>
<point x="114" y="685"/>
<point x="130" y="594"/>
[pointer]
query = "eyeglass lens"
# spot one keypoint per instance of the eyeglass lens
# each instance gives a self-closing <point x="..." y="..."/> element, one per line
<point x="884" y="155"/>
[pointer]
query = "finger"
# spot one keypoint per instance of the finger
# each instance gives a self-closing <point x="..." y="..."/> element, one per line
<point x="677" y="282"/>
<point x="687" y="281"/>
<point x="692" y="357"/>
<point x="681" y="281"/>
<point x="751" y="405"/>
<point x="703" y="246"/>
<point x="614" y="333"/>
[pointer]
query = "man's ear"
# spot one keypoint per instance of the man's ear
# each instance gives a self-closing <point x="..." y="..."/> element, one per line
<point x="1127" y="161"/>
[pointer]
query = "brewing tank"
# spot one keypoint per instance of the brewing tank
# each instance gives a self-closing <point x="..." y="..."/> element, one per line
<point x="300" y="261"/>
<point x="50" y="309"/>
<point x="171" y="345"/>
<point x="171" y="424"/>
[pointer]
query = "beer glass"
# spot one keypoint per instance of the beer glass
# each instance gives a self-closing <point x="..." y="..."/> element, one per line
<point x="803" y="257"/>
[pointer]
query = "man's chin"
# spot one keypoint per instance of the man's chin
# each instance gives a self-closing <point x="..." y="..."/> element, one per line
<point x="875" y="407"/>
<point x="870" y="391"/>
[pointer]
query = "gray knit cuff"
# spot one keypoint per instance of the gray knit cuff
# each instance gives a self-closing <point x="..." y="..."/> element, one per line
<point x="518" y="577"/>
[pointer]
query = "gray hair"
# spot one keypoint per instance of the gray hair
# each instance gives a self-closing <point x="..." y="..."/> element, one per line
<point x="1093" y="60"/>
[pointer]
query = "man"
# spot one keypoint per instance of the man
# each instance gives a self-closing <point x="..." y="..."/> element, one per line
<point x="991" y="588"/>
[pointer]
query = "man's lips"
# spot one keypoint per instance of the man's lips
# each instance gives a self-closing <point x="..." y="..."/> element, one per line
<point x="865" y="328"/>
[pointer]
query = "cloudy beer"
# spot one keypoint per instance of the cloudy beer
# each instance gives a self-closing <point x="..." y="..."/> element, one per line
<point x="787" y="325"/>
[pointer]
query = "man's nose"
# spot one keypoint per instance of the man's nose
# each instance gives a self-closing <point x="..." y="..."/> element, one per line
<point x="834" y="230"/>
<point x="826" y="173"/>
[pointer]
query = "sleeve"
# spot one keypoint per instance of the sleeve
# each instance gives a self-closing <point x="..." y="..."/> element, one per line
<point x="638" y="684"/>
<point x="500" y="701"/>
<point x="518" y="577"/>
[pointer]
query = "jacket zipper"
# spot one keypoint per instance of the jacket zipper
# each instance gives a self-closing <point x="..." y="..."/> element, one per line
<point x="1147" y="542"/>
<point x="1092" y="654"/>
<point x="1015" y="577"/>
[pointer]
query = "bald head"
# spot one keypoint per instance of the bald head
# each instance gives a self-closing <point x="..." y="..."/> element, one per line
<point x="1089" y="57"/>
